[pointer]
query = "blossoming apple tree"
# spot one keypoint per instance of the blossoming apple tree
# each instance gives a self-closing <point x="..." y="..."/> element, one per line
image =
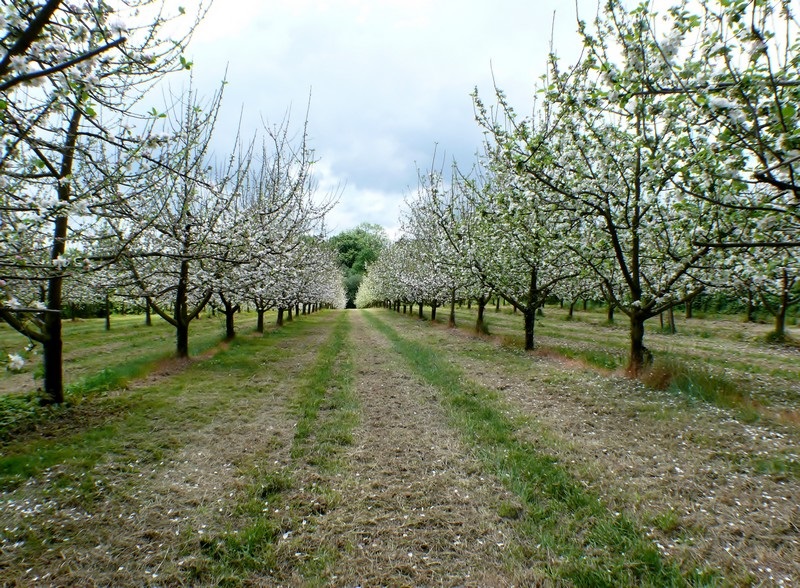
<point x="71" y="76"/>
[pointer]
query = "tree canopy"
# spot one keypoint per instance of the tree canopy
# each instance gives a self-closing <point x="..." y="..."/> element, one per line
<point x="356" y="249"/>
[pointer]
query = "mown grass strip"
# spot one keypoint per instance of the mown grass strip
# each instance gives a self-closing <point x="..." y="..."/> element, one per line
<point x="577" y="539"/>
<point x="137" y="425"/>
<point x="329" y="388"/>
<point x="279" y="504"/>
<point x="21" y="412"/>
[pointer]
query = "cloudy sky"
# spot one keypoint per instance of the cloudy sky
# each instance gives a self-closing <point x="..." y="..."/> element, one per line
<point x="389" y="80"/>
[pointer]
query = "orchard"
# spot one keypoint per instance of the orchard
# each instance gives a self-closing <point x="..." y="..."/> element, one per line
<point x="662" y="165"/>
<point x="572" y="362"/>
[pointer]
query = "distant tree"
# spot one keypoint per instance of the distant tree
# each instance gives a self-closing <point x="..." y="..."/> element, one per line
<point x="356" y="248"/>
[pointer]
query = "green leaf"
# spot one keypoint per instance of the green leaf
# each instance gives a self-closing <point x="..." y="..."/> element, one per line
<point x="185" y="63"/>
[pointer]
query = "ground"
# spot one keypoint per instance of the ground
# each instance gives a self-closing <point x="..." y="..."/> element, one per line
<point x="339" y="451"/>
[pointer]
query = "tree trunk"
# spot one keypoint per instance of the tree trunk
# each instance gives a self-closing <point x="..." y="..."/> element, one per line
<point x="148" y="319"/>
<point x="480" y="324"/>
<point x="571" y="310"/>
<point x="689" y="304"/>
<point x="530" y="323"/>
<point x="639" y="356"/>
<point x="182" y="344"/>
<point x="421" y="316"/>
<point x="610" y="313"/>
<point x="780" y="323"/>
<point x="671" y="320"/>
<point x="230" y="332"/>
<point x="451" y="321"/>
<point x="260" y="320"/>
<point x="108" y="312"/>
<point x="783" y="306"/>
<point x="497" y="304"/>
<point x="404" y="308"/>
<point x="230" y="311"/>
<point x="181" y="312"/>
<point x="53" y="348"/>
<point x="289" y="313"/>
<point x="585" y="304"/>
<point x="433" y="310"/>
<point x="279" y="320"/>
<point x="751" y="308"/>
<point x="53" y="358"/>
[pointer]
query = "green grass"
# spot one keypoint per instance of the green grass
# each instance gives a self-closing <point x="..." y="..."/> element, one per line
<point x="726" y="362"/>
<point x="594" y="357"/>
<point x="275" y="505"/>
<point x="700" y="383"/>
<point x="95" y="451"/>
<point x="780" y="467"/>
<point x="89" y="348"/>
<point x="328" y="388"/>
<point x="128" y="352"/>
<point x="593" y="546"/>
<point x="138" y="424"/>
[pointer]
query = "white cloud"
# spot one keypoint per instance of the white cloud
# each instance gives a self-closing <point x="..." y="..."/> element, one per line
<point x="388" y="80"/>
<point x="357" y="204"/>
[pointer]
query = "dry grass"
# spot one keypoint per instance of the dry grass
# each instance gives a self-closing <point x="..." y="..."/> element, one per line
<point x="146" y="522"/>
<point x="701" y="480"/>
<point x="411" y="509"/>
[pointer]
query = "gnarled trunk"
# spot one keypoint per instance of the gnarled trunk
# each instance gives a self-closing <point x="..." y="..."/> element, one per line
<point x="108" y="312"/>
<point x="530" y="323"/>
<point x="260" y="320"/>
<point x="480" y="323"/>
<point x="230" y="312"/>
<point x="53" y="359"/>
<point x="639" y="355"/>
<point x="182" y="339"/>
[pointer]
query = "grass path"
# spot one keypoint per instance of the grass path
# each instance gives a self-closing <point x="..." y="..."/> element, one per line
<point x="569" y="534"/>
<point x="417" y="509"/>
